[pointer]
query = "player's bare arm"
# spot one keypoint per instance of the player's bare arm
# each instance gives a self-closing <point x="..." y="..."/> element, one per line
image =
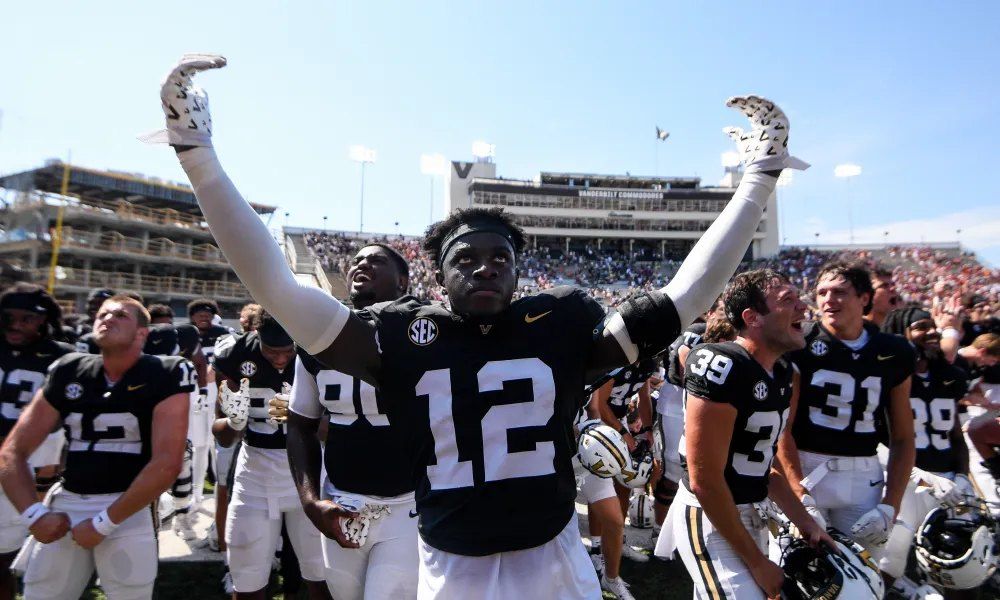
<point x="788" y="452"/>
<point x="902" y="452"/>
<point x="35" y="424"/>
<point x="647" y="323"/>
<point x="169" y="438"/>
<point x="781" y="493"/>
<point x="318" y="322"/>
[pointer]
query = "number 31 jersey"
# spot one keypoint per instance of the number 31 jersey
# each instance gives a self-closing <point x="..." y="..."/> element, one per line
<point x="488" y="409"/>
<point x="109" y="427"/>
<point x="844" y="393"/>
<point x="726" y="373"/>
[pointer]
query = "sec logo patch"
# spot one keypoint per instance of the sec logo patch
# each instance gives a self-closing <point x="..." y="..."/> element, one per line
<point x="248" y="368"/>
<point x="760" y="390"/>
<point x="74" y="391"/>
<point x="422" y="331"/>
<point x="819" y="348"/>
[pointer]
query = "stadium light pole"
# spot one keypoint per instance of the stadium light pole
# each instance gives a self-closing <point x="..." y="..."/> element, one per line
<point x="484" y="150"/>
<point x="365" y="156"/>
<point x="433" y="165"/>
<point x="848" y="171"/>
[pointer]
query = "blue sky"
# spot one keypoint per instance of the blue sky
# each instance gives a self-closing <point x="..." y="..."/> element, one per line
<point x="904" y="89"/>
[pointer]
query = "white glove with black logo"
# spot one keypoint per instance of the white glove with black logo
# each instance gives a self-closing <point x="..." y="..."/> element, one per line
<point x="185" y="105"/>
<point x="277" y="407"/>
<point x="765" y="146"/>
<point x="873" y="528"/>
<point x="952" y="493"/>
<point x="236" y="405"/>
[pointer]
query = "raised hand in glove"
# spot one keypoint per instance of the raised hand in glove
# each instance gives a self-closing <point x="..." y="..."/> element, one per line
<point x="277" y="407"/>
<point x="236" y="405"/>
<point x="873" y="528"/>
<point x="185" y="105"/>
<point x="765" y="146"/>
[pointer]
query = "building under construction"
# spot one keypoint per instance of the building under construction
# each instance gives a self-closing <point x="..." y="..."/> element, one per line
<point x="76" y="229"/>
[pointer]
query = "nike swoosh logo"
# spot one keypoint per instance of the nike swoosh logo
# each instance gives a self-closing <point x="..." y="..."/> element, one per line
<point x="949" y="382"/>
<point x="531" y="319"/>
<point x="874" y="483"/>
<point x="133" y="388"/>
<point x="880" y="357"/>
<point x="413" y="514"/>
<point x="40" y="355"/>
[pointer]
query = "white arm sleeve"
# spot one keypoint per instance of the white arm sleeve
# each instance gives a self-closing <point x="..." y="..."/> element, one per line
<point x="713" y="260"/>
<point x="312" y="317"/>
<point x="305" y="393"/>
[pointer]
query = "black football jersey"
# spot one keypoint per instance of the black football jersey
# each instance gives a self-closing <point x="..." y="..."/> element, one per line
<point x="934" y="400"/>
<point x="109" y="427"/>
<point x="691" y="337"/>
<point x="87" y="344"/>
<point x="210" y="337"/>
<point x="727" y="373"/>
<point x="364" y="453"/>
<point x="172" y="340"/>
<point x="627" y="381"/>
<point x="22" y="373"/>
<point x="844" y="396"/>
<point x="238" y="357"/>
<point x="489" y="408"/>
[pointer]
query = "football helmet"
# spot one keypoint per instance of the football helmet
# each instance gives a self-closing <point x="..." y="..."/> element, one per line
<point x="636" y="474"/>
<point x="640" y="511"/>
<point x="602" y="450"/>
<point x="847" y="572"/>
<point x="957" y="546"/>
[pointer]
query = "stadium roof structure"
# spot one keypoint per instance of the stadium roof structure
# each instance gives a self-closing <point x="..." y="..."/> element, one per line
<point x="136" y="188"/>
<point x="647" y="182"/>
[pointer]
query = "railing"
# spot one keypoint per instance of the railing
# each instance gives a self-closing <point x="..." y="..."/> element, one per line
<point x="290" y="253"/>
<point x="113" y="241"/>
<point x="144" y="284"/>
<point x="321" y="278"/>
<point x="119" y="208"/>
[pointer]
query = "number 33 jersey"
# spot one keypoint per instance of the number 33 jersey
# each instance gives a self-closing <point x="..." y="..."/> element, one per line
<point x="844" y="393"/>
<point x="488" y="410"/>
<point x="726" y="373"/>
<point x="109" y="427"/>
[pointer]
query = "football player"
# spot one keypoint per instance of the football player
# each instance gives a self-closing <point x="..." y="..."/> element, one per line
<point x="942" y="463"/>
<point x="738" y="400"/>
<point x="884" y="296"/>
<point x="487" y="388"/>
<point x="202" y="312"/>
<point x="254" y="372"/>
<point x="367" y="477"/>
<point x="28" y="319"/>
<point x="852" y="384"/>
<point x="125" y="416"/>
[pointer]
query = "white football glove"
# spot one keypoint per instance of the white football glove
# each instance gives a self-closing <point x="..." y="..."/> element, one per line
<point x="952" y="493"/>
<point x="810" y="504"/>
<point x="873" y="528"/>
<point x="277" y="407"/>
<point x="356" y="529"/>
<point x="765" y="146"/>
<point x="236" y="405"/>
<point x="185" y="105"/>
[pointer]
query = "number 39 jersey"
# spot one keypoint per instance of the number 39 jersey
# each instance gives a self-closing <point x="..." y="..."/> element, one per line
<point x="844" y="394"/>
<point x="239" y="357"/>
<point x="727" y="373"/>
<point x="22" y="372"/>
<point x="934" y="400"/>
<point x="109" y="427"/>
<point x="364" y="453"/>
<point x="489" y="410"/>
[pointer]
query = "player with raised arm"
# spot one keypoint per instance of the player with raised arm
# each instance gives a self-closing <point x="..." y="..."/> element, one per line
<point x="125" y="416"/>
<point x="364" y="506"/>
<point x="738" y="401"/>
<point x="488" y="388"/>
<point x="852" y="384"/>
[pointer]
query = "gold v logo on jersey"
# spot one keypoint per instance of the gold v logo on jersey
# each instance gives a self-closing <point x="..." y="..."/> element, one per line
<point x="887" y="357"/>
<point x="530" y="319"/>
<point x="485" y="328"/>
<point x="133" y="388"/>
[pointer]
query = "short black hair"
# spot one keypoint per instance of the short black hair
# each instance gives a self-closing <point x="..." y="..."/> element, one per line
<point x="749" y="290"/>
<point x="270" y="332"/>
<point x="900" y="319"/>
<point x="160" y="311"/>
<point x="855" y="273"/>
<point x="37" y="294"/>
<point x="394" y="256"/>
<point x="435" y="235"/>
<point x="135" y="296"/>
<point x="203" y="304"/>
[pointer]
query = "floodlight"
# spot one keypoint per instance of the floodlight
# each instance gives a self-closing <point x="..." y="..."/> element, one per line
<point x="481" y="149"/>
<point x="362" y="154"/>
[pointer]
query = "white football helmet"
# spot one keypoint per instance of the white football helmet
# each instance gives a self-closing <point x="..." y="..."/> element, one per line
<point x="640" y="467"/>
<point x="602" y="450"/>
<point x="640" y="511"/>
<point x="957" y="546"/>
<point x="847" y="573"/>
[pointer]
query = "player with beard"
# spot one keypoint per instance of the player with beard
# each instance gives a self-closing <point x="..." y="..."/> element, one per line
<point x="255" y="373"/>
<point x="942" y="463"/>
<point x="488" y="389"/>
<point x="202" y="312"/>
<point x="852" y="385"/>
<point x="28" y="318"/>
<point x="125" y="415"/>
<point x="738" y="403"/>
<point x="366" y="473"/>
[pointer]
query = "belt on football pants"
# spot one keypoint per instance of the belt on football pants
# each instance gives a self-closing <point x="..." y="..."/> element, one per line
<point x="839" y="463"/>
